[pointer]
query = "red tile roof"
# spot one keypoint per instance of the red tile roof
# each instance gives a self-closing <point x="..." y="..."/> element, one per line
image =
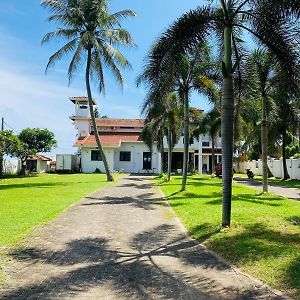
<point x="120" y="122"/>
<point x="39" y="157"/>
<point x="109" y="139"/>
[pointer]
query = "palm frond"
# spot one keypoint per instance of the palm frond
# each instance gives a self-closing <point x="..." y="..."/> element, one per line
<point x="60" y="33"/>
<point x="75" y="61"/>
<point x="97" y="68"/>
<point x="55" y="6"/>
<point x="66" y="49"/>
<point x="118" y="37"/>
<point x="272" y="27"/>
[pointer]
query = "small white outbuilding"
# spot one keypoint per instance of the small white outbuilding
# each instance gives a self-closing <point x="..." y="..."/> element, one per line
<point x="38" y="163"/>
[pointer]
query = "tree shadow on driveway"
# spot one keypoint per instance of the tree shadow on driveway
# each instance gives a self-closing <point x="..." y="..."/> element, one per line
<point x="135" y="273"/>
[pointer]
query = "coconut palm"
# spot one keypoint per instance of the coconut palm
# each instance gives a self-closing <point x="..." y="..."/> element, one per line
<point x="273" y="24"/>
<point x="182" y="77"/>
<point x="92" y="35"/>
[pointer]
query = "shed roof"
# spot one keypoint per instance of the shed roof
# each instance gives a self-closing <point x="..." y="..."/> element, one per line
<point x="39" y="157"/>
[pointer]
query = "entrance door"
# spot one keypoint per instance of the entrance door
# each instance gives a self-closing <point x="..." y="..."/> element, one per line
<point x="147" y="165"/>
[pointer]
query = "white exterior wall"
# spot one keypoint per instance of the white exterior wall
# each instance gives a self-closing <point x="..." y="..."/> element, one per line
<point x="89" y="166"/>
<point x="82" y="126"/>
<point x="180" y="144"/>
<point x="136" y="163"/>
<point x="113" y="159"/>
<point x="41" y="166"/>
<point x="218" y="142"/>
<point x="82" y="112"/>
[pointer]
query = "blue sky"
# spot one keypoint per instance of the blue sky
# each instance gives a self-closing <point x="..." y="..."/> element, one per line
<point x="31" y="99"/>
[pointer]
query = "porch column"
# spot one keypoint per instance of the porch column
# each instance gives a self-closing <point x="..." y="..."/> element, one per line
<point x="200" y="160"/>
<point x="159" y="166"/>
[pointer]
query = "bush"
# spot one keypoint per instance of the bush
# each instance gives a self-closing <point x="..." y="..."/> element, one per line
<point x="297" y="155"/>
<point x="97" y="171"/>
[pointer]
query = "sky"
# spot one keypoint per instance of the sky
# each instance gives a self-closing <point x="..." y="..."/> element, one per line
<point x="30" y="98"/>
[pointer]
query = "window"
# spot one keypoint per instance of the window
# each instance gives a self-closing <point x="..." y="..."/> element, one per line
<point x="125" y="156"/>
<point x="205" y="144"/>
<point x="95" y="155"/>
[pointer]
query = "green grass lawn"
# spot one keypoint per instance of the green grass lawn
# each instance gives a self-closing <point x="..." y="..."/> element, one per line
<point x="264" y="239"/>
<point x="291" y="183"/>
<point x="31" y="201"/>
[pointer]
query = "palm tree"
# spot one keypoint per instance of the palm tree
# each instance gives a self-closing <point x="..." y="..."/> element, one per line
<point x="211" y="125"/>
<point x="271" y="23"/>
<point x="182" y="77"/>
<point x="261" y="80"/>
<point x="92" y="34"/>
<point x="163" y="119"/>
<point x="286" y="118"/>
<point x="153" y="132"/>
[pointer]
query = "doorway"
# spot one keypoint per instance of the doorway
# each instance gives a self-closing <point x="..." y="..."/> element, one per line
<point x="147" y="161"/>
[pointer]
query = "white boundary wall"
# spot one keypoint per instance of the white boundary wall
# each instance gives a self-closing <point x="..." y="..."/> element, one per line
<point x="11" y="166"/>
<point x="275" y="166"/>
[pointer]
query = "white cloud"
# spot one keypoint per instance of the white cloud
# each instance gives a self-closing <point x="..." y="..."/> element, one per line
<point x="36" y="101"/>
<point x="28" y="98"/>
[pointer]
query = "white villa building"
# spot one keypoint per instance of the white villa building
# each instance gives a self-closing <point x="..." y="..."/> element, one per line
<point x="125" y="149"/>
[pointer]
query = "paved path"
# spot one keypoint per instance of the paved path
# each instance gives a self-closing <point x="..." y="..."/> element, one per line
<point x="291" y="193"/>
<point x="122" y="242"/>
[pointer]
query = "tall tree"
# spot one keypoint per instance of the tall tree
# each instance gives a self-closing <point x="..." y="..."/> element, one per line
<point x="286" y="119"/>
<point x="163" y="120"/>
<point x="261" y="80"/>
<point x="92" y="34"/>
<point x="211" y="125"/>
<point x="33" y="141"/>
<point x="182" y="77"/>
<point x="8" y="142"/>
<point x="271" y="23"/>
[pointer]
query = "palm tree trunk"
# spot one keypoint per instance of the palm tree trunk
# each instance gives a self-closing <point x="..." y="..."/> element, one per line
<point x="213" y="154"/>
<point x="23" y="166"/>
<point x="264" y="144"/>
<point x="227" y="111"/>
<point x="285" y="170"/>
<point x="1" y="166"/>
<point x="186" y="139"/>
<point x="170" y="146"/>
<point x="162" y="151"/>
<point x="89" y="93"/>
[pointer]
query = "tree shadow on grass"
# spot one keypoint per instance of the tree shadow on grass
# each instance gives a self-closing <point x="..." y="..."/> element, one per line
<point x="295" y="220"/>
<point x="35" y="185"/>
<point x="204" y="231"/>
<point x="258" y="242"/>
<point x="134" y="273"/>
<point x="256" y="199"/>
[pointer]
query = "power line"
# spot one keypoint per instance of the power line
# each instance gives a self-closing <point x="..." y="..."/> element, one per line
<point x="10" y="127"/>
